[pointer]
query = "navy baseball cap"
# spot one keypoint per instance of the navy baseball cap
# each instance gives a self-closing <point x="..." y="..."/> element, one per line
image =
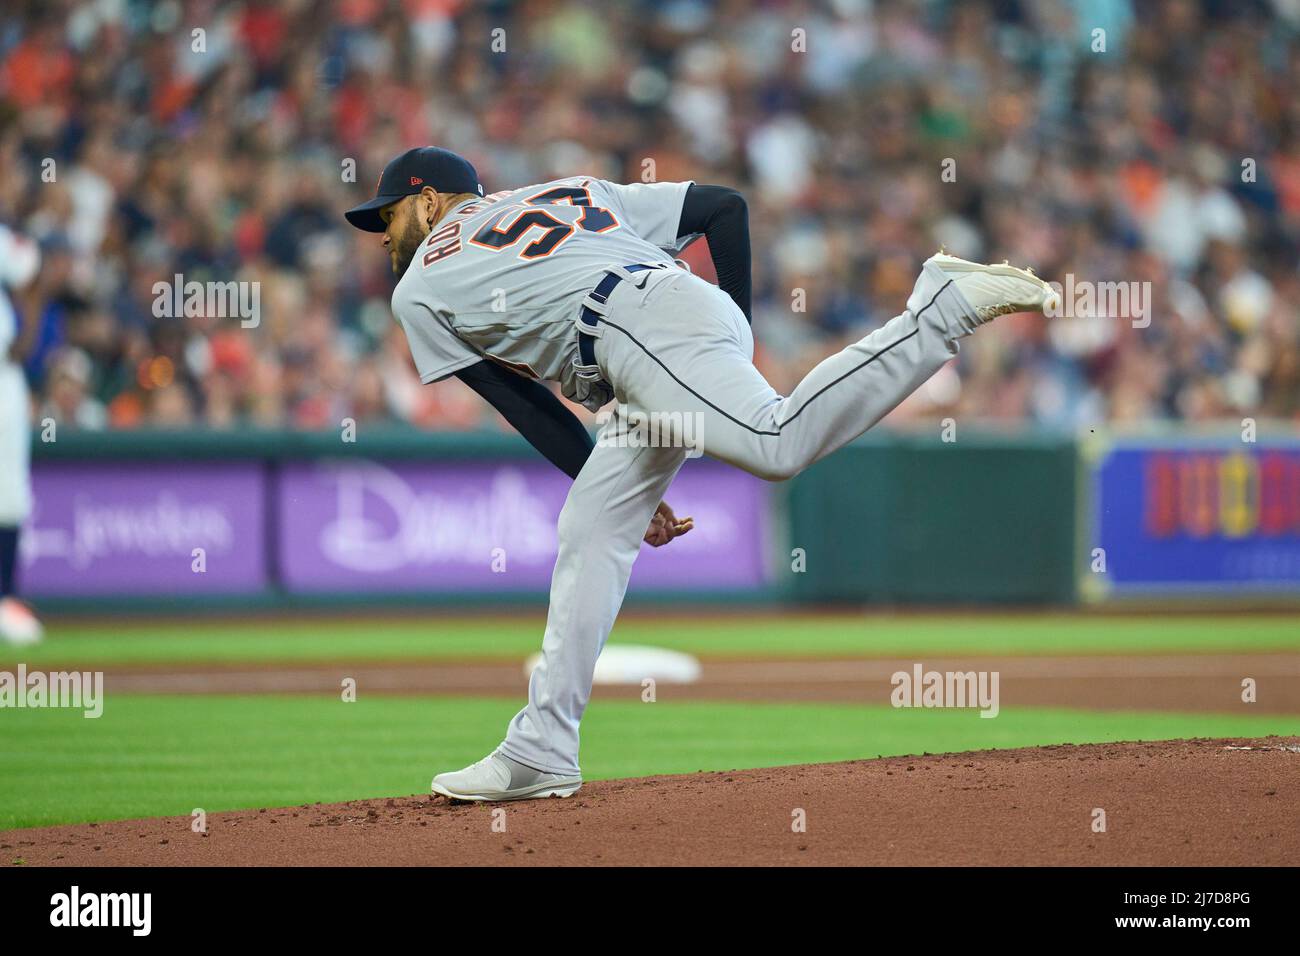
<point x="406" y="175"/>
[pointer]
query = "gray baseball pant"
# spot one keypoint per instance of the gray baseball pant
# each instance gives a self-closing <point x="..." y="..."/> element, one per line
<point x="677" y="347"/>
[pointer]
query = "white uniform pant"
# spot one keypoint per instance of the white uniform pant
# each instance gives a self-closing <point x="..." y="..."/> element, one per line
<point x="678" y="347"/>
<point x="15" y="447"/>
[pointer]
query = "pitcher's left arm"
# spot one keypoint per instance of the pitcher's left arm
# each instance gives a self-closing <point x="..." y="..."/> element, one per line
<point x="720" y="214"/>
<point x="673" y="215"/>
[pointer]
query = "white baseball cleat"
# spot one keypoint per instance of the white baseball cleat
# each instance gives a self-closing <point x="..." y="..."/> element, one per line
<point x="995" y="290"/>
<point x="497" y="778"/>
<point x="18" y="625"/>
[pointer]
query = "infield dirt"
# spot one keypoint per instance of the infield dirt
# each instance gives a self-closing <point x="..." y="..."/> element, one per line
<point x="1184" y="802"/>
<point x="1189" y="683"/>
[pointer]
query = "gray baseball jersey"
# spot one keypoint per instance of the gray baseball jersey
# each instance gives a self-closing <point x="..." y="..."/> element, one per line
<point x="503" y="277"/>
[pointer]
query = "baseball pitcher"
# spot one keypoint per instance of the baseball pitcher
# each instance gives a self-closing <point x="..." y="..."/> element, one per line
<point x="574" y="281"/>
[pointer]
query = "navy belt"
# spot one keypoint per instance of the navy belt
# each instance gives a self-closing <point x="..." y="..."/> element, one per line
<point x="590" y="318"/>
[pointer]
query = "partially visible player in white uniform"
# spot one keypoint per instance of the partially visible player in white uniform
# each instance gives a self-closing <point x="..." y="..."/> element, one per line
<point x="20" y="261"/>
<point x="573" y="281"/>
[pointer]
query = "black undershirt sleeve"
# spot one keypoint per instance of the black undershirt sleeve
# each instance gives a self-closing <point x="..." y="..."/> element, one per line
<point x="533" y="411"/>
<point x="720" y="213"/>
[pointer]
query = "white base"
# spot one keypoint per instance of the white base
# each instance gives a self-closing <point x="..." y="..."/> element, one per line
<point x="633" y="663"/>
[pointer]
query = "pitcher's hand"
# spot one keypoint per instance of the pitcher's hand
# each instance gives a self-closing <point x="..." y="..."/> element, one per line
<point x="665" y="526"/>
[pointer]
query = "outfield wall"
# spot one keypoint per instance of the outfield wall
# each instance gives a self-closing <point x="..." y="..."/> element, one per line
<point x="913" y="520"/>
<point x="1179" y="515"/>
<point x="399" y="515"/>
<point x="265" y="519"/>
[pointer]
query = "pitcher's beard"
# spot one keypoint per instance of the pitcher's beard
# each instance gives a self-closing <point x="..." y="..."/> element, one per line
<point x="405" y="246"/>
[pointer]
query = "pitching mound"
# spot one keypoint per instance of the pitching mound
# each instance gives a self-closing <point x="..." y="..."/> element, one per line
<point x="1181" y="802"/>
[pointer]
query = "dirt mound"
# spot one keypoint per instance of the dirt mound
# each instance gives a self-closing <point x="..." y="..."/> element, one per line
<point x="1197" y="802"/>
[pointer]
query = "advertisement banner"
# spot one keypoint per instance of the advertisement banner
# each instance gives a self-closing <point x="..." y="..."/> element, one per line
<point x="1195" y="517"/>
<point x="145" y="528"/>
<point x="443" y="527"/>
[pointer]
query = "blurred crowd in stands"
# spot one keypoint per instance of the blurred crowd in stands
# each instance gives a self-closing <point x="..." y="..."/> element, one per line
<point x="1115" y="141"/>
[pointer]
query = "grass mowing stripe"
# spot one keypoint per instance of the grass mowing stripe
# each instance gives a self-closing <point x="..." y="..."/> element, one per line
<point x="440" y="638"/>
<point x="161" y="755"/>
